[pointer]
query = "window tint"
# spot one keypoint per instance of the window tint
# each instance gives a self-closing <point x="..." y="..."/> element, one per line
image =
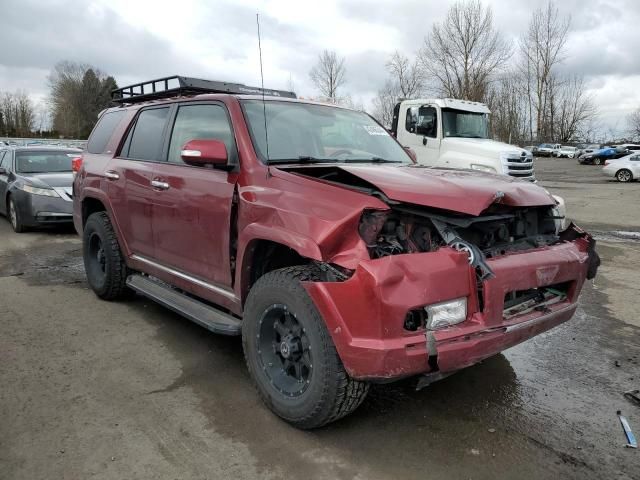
<point x="103" y="131"/>
<point x="146" y="141"/>
<point x="198" y="122"/>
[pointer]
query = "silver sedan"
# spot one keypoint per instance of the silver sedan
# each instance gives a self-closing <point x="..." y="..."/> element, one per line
<point x="624" y="169"/>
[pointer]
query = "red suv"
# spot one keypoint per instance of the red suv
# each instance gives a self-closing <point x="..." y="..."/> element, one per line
<point x="307" y="229"/>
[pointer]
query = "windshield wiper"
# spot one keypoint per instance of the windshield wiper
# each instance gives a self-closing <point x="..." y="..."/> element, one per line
<point x="302" y="159"/>
<point x="371" y="160"/>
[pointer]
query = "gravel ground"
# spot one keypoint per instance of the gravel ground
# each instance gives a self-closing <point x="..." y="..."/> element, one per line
<point x="91" y="389"/>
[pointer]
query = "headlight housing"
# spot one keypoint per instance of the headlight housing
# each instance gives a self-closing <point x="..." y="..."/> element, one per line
<point x="483" y="168"/>
<point x="47" y="192"/>
<point x="445" y="314"/>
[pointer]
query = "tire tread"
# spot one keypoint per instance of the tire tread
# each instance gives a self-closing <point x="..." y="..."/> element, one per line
<point x="341" y="394"/>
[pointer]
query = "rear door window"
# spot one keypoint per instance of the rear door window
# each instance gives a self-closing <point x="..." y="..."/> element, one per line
<point x="145" y="140"/>
<point x="103" y="130"/>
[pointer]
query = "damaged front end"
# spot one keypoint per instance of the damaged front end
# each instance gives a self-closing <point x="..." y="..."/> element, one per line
<point x="442" y="291"/>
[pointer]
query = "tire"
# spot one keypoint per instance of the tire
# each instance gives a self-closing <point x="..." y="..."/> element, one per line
<point x="103" y="260"/>
<point x="316" y="390"/>
<point x="624" y="175"/>
<point x="597" y="161"/>
<point x="13" y="215"/>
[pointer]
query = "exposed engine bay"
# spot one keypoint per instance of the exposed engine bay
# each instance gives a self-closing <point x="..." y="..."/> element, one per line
<point x="410" y="229"/>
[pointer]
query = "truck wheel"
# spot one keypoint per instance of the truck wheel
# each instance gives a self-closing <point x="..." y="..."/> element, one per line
<point x="14" y="216"/>
<point x="290" y="355"/>
<point x="103" y="261"/>
<point x="624" y="175"/>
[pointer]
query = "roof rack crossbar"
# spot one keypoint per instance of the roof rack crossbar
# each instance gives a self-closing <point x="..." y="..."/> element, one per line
<point x="176" y="85"/>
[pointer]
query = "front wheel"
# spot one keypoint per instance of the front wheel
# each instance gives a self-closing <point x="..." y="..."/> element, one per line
<point x="103" y="261"/>
<point x="624" y="175"/>
<point x="597" y="161"/>
<point x="14" y="216"/>
<point x="290" y="354"/>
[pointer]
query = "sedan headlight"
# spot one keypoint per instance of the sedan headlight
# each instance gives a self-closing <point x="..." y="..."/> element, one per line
<point x="483" y="168"/>
<point x="445" y="314"/>
<point x="47" y="192"/>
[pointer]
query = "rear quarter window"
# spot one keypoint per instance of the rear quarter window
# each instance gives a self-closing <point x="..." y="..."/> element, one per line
<point x="104" y="129"/>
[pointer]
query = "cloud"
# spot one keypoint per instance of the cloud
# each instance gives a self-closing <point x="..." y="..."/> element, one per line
<point x="144" y="39"/>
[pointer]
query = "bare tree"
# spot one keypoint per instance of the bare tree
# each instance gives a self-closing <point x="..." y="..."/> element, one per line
<point x="329" y="74"/>
<point x="633" y="120"/>
<point x="17" y="114"/>
<point x="573" y="109"/>
<point x="463" y="52"/>
<point x="384" y="102"/>
<point x="407" y="76"/>
<point x="78" y="92"/>
<point x="542" y="48"/>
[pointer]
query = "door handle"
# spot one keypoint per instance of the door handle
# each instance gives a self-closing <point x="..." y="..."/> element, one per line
<point x="159" y="185"/>
<point x="111" y="175"/>
<point x="424" y="140"/>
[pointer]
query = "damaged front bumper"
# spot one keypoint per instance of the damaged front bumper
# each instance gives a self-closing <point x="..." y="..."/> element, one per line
<point x="366" y="314"/>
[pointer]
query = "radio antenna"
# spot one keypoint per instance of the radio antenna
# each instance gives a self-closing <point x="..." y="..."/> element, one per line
<point x="264" y="106"/>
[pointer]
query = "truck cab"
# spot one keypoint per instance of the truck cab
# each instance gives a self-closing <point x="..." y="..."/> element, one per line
<point x="451" y="133"/>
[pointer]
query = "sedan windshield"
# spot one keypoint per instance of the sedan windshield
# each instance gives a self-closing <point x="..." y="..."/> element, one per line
<point x="44" y="161"/>
<point x="458" y="123"/>
<point x="303" y="132"/>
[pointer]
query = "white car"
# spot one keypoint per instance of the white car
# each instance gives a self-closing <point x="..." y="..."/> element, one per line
<point x="547" y="149"/>
<point x="624" y="169"/>
<point x="565" y="151"/>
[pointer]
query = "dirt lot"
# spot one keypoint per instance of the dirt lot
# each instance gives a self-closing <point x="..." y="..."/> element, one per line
<point x="90" y="389"/>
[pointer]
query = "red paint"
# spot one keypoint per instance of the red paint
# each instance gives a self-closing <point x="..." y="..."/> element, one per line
<point x="206" y="214"/>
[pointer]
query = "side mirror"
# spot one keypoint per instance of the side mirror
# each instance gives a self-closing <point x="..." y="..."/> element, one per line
<point x="204" y="152"/>
<point x="412" y="154"/>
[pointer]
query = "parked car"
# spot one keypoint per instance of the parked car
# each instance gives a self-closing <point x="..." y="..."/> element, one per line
<point x="625" y="169"/>
<point x="598" y="157"/>
<point x="310" y="231"/>
<point x="565" y="151"/>
<point x="584" y="148"/>
<point x="632" y="147"/>
<point x="547" y="149"/>
<point x="35" y="186"/>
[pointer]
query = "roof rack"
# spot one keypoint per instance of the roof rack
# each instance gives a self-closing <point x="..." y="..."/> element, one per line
<point x="175" y="85"/>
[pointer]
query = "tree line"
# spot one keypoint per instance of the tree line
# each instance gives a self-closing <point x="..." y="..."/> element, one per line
<point x="77" y="94"/>
<point x="465" y="57"/>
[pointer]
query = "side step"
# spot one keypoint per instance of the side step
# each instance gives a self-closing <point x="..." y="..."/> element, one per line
<point x="209" y="317"/>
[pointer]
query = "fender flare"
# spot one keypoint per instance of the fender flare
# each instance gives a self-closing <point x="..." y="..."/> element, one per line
<point x="253" y="233"/>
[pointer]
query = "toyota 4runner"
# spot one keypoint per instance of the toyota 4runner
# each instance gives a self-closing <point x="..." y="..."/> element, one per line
<point x="310" y="231"/>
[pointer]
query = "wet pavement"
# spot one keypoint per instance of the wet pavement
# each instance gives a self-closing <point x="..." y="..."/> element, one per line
<point x="92" y="389"/>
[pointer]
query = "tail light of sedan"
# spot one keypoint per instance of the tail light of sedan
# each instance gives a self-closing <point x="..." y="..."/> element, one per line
<point x="76" y="163"/>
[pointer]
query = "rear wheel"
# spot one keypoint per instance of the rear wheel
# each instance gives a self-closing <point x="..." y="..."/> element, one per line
<point x="597" y="161"/>
<point x="624" y="175"/>
<point x="290" y="355"/>
<point x="103" y="261"/>
<point x="14" y="216"/>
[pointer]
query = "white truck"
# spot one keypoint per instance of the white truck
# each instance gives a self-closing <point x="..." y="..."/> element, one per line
<point x="453" y="133"/>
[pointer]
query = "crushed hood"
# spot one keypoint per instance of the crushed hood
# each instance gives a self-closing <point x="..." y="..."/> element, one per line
<point x="454" y="190"/>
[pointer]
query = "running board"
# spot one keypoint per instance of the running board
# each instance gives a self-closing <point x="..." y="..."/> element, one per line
<point x="204" y="315"/>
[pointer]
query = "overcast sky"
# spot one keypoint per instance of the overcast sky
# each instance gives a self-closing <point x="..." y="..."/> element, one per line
<point x="136" y="40"/>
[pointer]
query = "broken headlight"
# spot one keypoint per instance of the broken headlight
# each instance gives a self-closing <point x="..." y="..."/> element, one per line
<point x="445" y="314"/>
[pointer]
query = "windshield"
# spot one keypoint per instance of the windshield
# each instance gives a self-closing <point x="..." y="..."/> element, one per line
<point x="307" y="132"/>
<point x="458" y="123"/>
<point x="44" y="162"/>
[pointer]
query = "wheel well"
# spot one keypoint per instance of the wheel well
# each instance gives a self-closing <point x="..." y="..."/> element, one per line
<point x="89" y="206"/>
<point x="264" y="256"/>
